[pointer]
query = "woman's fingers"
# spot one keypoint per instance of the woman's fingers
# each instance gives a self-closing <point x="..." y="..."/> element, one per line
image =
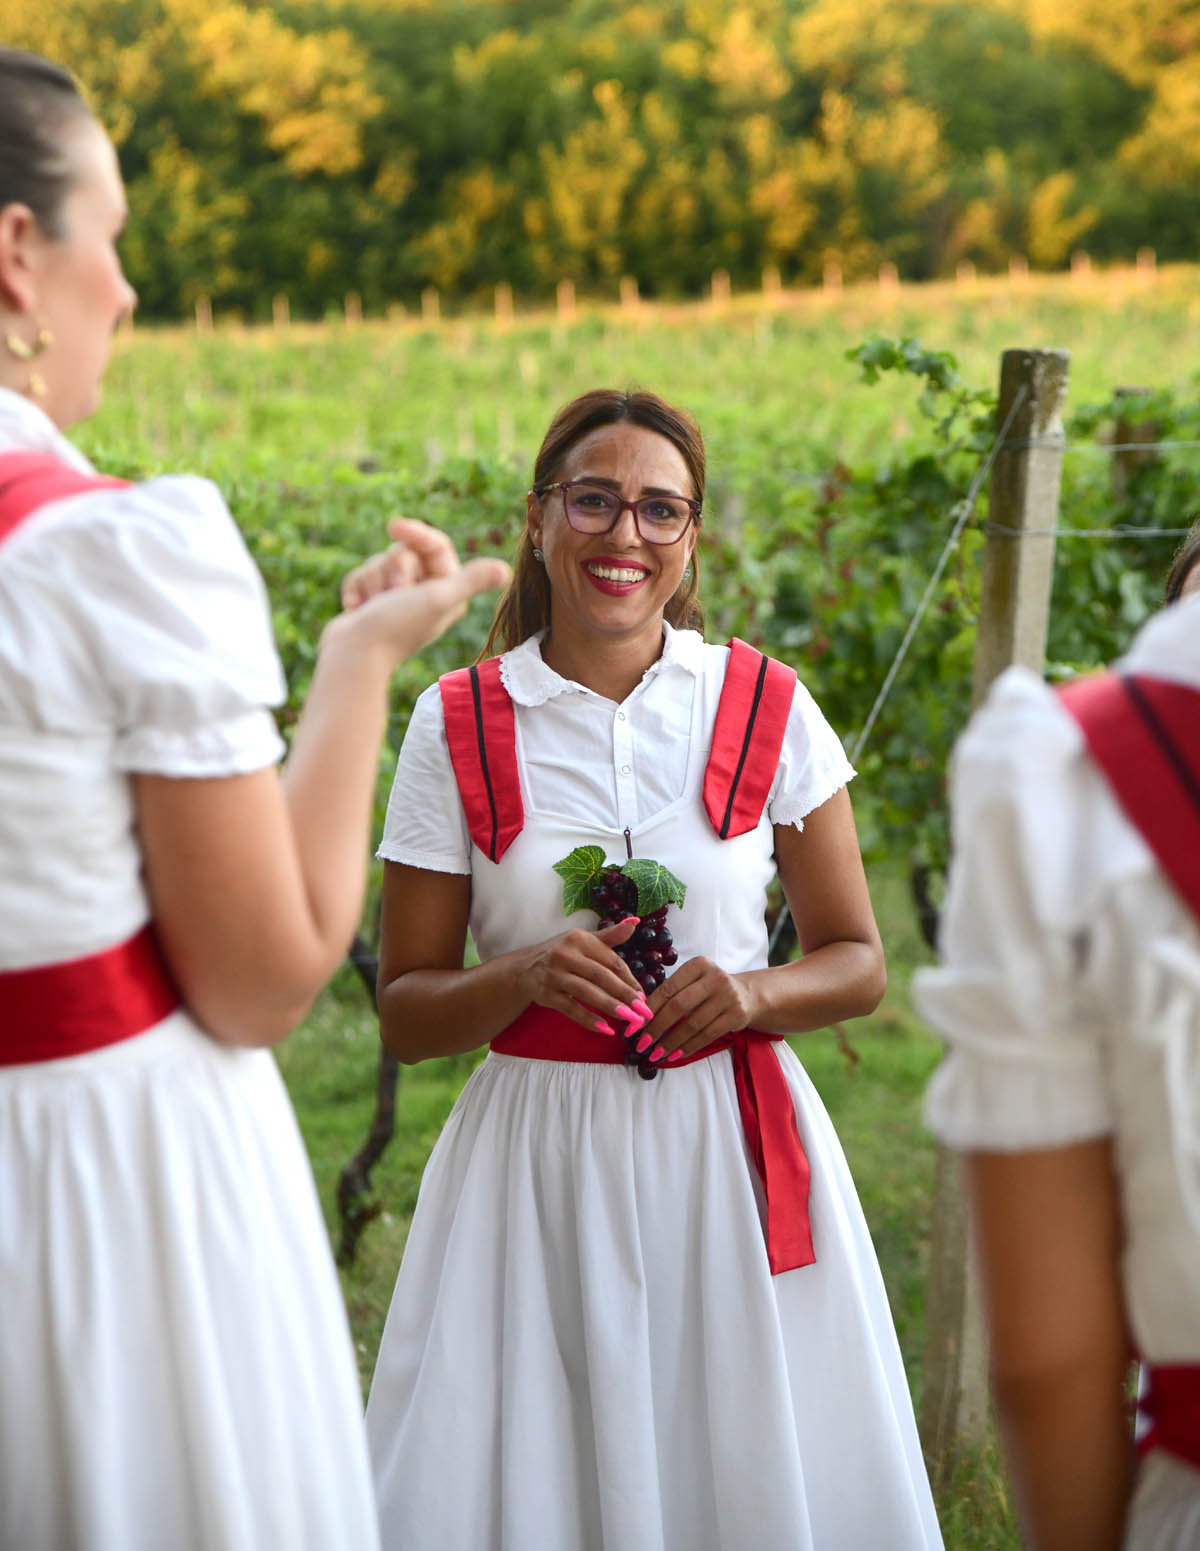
<point x="395" y="567"/>
<point x="410" y="617"/>
<point x="580" y="975"/>
<point x="697" y="1005"/>
<point x="430" y="547"/>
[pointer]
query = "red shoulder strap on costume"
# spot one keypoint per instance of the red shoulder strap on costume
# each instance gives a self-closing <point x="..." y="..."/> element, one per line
<point x="752" y="715"/>
<point x="29" y="480"/>
<point x="482" y="735"/>
<point x="1144" y="734"/>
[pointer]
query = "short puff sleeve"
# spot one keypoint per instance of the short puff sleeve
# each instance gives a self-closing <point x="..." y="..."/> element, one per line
<point x="1014" y="996"/>
<point x="812" y="763"/>
<point x="180" y="629"/>
<point x="425" y="824"/>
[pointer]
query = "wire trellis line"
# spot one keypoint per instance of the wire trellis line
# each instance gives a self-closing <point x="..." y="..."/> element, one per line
<point x="966" y="508"/>
<point x="965" y="511"/>
<point x="1118" y="531"/>
<point x="1061" y="444"/>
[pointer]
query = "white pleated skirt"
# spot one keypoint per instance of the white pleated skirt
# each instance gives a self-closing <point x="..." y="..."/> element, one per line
<point x="586" y="1350"/>
<point x="1165" y="1512"/>
<point x="176" y="1372"/>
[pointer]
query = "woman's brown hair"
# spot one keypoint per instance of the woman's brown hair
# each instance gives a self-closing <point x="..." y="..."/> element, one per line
<point x="1186" y="556"/>
<point x="524" y="607"/>
<point x="38" y="102"/>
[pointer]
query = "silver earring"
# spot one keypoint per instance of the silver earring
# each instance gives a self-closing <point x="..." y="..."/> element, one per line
<point x="687" y="575"/>
<point x="539" y="557"/>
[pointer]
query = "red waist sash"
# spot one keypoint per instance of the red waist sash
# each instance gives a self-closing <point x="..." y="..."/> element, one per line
<point x="764" y="1099"/>
<point x="1172" y="1404"/>
<point x="56" y="1010"/>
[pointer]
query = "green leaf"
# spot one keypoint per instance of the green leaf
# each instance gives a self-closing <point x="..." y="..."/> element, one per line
<point x="656" y="885"/>
<point x="578" y="872"/>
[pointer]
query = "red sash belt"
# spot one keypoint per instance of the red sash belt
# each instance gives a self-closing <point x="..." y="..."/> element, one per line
<point x="765" y="1101"/>
<point x="1172" y="1405"/>
<point x="56" y="1010"/>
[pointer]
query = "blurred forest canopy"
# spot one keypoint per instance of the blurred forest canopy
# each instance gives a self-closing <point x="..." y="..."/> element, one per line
<point x="319" y="147"/>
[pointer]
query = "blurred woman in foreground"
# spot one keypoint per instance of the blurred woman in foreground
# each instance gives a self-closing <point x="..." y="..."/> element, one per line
<point x="175" y="1368"/>
<point x="1070" y="996"/>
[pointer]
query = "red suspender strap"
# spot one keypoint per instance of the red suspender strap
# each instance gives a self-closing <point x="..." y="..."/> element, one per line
<point x="1172" y="1405"/>
<point x="752" y="715"/>
<point x="67" y="1009"/>
<point x="482" y="736"/>
<point x="1144" y="734"/>
<point x="29" y="480"/>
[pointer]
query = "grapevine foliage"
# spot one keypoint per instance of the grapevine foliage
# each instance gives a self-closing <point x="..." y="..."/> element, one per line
<point x="580" y="871"/>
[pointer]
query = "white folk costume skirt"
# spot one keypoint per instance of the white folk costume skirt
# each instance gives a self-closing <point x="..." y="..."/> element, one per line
<point x="176" y="1372"/>
<point x="586" y="1348"/>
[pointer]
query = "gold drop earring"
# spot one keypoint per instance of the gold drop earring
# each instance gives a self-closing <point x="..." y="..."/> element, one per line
<point x="22" y="350"/>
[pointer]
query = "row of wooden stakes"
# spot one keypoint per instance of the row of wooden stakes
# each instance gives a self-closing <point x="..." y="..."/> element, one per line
<point x="629" y="297"/>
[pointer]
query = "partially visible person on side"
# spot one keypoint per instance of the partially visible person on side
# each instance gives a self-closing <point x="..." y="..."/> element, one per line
<point x="176" y="1372"/>
<point x="1069" y="993"/>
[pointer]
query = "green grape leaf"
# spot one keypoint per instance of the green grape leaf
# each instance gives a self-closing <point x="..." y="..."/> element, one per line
<point x="656" y="886"/>
<point x="578" y="872"/>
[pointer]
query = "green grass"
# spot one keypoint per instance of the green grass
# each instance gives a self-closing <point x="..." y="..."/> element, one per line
<point x="766" y="381"/>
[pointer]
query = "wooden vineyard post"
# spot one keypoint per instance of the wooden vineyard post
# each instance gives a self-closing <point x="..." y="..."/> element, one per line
<point x="1014" y="611"/>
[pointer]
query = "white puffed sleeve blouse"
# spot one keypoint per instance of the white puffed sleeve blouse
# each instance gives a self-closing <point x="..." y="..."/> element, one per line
<point x="1069" y="992"/>
<point x="135" y="636"/>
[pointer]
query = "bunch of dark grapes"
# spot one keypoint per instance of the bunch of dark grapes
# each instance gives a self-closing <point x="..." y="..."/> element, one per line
<point x="649" y="952"/>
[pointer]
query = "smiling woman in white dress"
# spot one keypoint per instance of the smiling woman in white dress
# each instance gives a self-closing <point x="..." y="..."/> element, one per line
<point x="175" y="1367"/>
<point x="636" y="1314"/>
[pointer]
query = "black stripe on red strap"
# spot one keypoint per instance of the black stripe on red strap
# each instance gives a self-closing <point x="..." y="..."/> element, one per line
<point x="483" y="764"/>
<point x="1174" y="754"/>
<point x="737" y="774"/>
<point x="17" y="479"/>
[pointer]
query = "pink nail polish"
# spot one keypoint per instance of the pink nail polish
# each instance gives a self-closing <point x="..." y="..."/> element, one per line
<point x="643" y="1044"/>
<point x="629" y="1016"/>
<point x="603" y="1028"/>
<point x="657" y="1053"/>
<point x="625" y="920"/>
<point x="676" y="1055"/>
<point x="642" y="1007"/>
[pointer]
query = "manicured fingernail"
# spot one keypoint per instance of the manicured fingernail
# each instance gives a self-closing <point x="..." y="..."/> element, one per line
<point x="676" y="1055"/>
<point x="642" y="1007"/>
<point x="625" y="920"/>
<point x="657" y="1053"/>
<point x="643" y="1044"/>
<point x="628" y="1014"/>
<point x="603" y="1028"/>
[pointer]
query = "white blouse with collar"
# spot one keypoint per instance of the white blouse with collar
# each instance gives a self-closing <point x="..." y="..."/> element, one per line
<point x="614" y="766"/>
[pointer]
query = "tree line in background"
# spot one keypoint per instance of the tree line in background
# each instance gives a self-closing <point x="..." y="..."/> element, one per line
<point x="319" y="147"/>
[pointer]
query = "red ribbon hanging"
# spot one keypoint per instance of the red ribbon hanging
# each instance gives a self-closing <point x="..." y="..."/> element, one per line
<point x="764" y="1101"/>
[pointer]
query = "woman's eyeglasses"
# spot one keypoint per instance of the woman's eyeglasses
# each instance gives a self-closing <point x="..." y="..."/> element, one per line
<point x="660" y="519"/>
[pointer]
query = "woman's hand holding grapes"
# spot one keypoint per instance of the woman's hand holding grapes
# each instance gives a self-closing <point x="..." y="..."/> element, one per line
<point x="579" y="973"/>
<point x="698" y="1004"/>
